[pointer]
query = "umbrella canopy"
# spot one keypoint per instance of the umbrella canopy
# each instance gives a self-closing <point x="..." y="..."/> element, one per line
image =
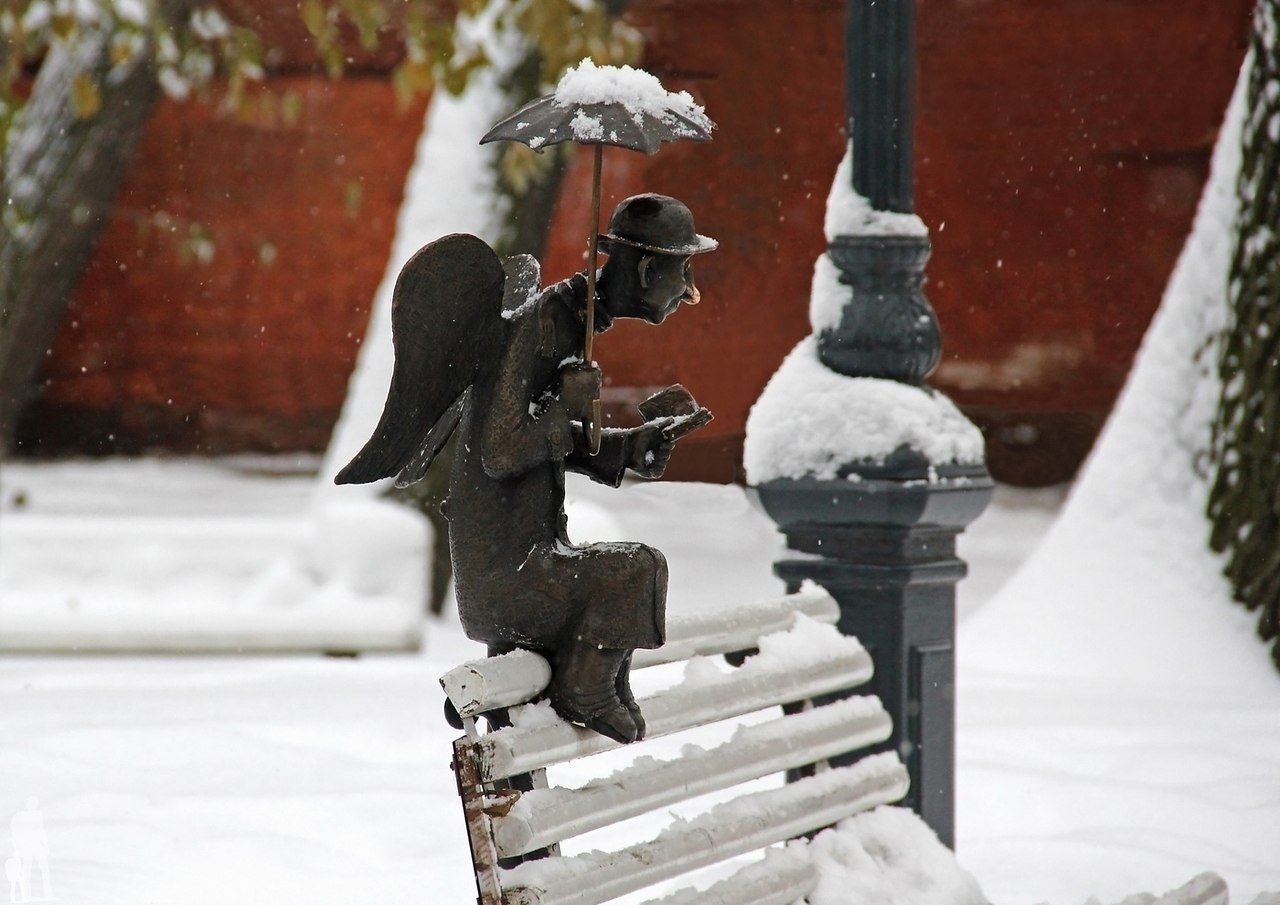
<point x="606" y="105"/>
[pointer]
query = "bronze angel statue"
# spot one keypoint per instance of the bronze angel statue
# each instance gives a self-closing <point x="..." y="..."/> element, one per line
<point x="481" y="352"/>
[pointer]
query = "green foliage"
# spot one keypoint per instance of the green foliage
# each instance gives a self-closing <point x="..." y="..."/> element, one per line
<point x="442" y="46"/>
<point x="186" y="55"/>
<point x="1244" y="501"/>
<point x="565" y="31"/>
<point x="562" y="32"/>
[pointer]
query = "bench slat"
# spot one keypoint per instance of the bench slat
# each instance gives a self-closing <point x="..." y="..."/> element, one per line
<point x="759" y="683"/>
<point x="520" y="676"/>
<point x="738" y="628"/>
<point x="505" y="681"/>
<point x="734" y="828"/>
<point x="545" y="816"/>
<point x="782" y="877"/>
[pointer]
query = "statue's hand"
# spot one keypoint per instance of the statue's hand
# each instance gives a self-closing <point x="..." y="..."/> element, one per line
<point x="579" y="387"/>
<point x="648" y="450"/>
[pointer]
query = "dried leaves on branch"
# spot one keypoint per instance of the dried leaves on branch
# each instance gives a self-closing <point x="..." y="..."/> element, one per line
<point x="184" y="44"/>
<point x="78" y="78"/>
<point x="1244" y="502"/>
<point x="446" y="42"/>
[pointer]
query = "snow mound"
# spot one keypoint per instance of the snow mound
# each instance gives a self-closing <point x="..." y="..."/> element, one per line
<point x="1204" y="889"/>
<point x="798" y="646"/>
<point x="1112" y="683"/>
<point x="531" y="716"/>
<point x="200" y="555"/>
<point x="828" y="296"/>
<point x="1124" y="585"/>
<point x="357" y="551"/>
<point x="888" y="856"/>
<point x="811" y="421"/>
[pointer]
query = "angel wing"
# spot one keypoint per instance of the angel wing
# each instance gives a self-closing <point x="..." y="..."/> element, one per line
<point x="523" y="274"/>
<point x="445" y="321"/>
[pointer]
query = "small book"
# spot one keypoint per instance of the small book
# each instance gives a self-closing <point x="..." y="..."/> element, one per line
<point x="677" y="406"/>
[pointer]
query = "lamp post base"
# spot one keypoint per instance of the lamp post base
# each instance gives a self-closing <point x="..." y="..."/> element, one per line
<point x="882" y="543"/>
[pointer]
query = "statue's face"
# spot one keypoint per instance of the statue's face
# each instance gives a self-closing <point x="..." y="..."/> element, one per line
<point x="666" y="281"/>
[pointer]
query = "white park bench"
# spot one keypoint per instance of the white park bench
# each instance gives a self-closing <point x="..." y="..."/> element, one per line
<point x="800" y="657"/>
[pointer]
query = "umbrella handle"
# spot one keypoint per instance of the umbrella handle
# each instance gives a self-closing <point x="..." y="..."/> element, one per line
<point x="579" y="392"/>
<point x="594" y="430"/>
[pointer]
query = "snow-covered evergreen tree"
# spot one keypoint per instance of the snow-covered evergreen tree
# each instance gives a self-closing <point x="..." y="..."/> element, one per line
<point x="1244" y="503"/>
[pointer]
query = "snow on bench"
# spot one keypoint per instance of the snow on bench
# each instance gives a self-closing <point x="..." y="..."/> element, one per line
<point x="798" y="655"/>
<point x="497" y="682"/>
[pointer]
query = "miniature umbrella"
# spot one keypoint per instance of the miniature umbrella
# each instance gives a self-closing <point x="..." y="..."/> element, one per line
<point x="604" y="105"/>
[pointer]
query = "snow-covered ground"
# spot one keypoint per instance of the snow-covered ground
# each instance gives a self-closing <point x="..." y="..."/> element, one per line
<point x="231" y="555"/>
<point x="306" y="779"/>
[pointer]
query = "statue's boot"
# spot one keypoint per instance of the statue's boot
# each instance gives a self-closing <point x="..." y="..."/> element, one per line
<point x="584" y="691"/>
<point x="623" y="686"/>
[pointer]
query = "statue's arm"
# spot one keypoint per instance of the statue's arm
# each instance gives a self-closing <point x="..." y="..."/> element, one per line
<point x="608" y="465"/>
<point x="644" y="450"/>
<point x="524" y="425"/>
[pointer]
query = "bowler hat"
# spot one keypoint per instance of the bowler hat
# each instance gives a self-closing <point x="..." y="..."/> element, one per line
<point x="656" y="223"/>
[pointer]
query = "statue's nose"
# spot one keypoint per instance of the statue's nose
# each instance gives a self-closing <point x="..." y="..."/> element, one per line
<point x="691" y="294"/>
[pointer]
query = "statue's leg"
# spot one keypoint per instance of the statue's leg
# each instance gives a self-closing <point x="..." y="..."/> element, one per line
<point x="621" y="605"/>
<point x="587" y="608"/>
<point x="623" y="595"/>
<point x="584" y="689"/>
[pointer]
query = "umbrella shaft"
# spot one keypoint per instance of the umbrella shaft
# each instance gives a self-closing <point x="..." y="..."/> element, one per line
<point x="591" y="257"/>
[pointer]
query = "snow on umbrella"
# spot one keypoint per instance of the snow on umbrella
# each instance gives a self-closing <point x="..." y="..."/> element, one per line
<point x="604" y="105"/>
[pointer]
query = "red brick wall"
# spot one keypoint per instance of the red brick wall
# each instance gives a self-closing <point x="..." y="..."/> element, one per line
<point x="252" y="350"/>
<point x="1064" y="144"/>
<point x="1061" y="148"/>
<point x="771" y="76"/>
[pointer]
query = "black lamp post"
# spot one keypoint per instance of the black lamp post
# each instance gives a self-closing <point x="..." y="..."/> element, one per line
<point x="888" y="328"/>
<point x="879" y="90"/>
<point x="881" y="536"/>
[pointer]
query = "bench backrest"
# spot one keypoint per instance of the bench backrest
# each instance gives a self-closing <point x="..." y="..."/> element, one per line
<point x="795" y="655"/>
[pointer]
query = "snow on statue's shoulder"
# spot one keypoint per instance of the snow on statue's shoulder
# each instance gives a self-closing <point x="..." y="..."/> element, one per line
<point x="811" y="421"/>
<point x="638" y="91"/>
